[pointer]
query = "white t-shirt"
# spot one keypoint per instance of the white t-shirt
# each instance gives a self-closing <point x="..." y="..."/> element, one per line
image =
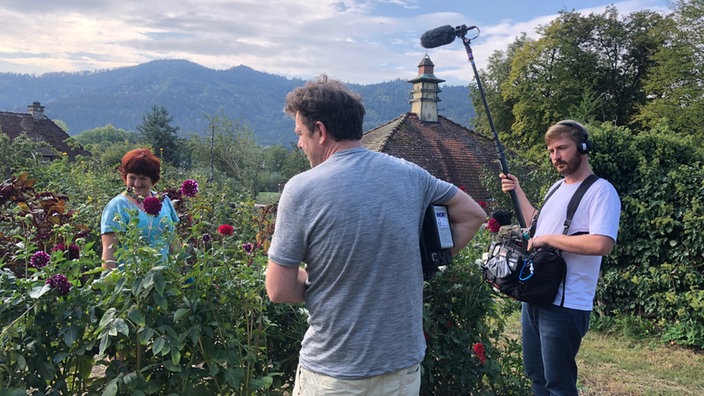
<point x="597" y="214"/>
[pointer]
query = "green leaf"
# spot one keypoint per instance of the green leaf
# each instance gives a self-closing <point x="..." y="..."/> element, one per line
<point x="70" y="336"/>
<point x="39" y="291"/>
<point x="136" y="317"/>
<point x="234" y="376"/>
<point x="160" y="301"/>
<point x="129" y="378"/>
<point x="104" y="343"/>
<point x="158" y="345"/>
<point x="175" y="355"/>
<point x="145" y="335"/>
<point x="122" y="327"/>
<point x="160" y="284"/>
<point x="148" y="280"/>
<point x="111" y="389"/>
<point x="213" y="369"/>
<point x="181" y="312"/>
<point x="169" y="365"/>
<point x="262" y="383"/>
<point x="108" y="316"/>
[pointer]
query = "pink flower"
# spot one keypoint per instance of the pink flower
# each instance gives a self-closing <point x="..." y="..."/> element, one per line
<point x="226" y="229"/>
<point x="39" y="260"/>
<point x="478" y="349"/>
<point x="58" y="247"/>
<point x="60" y="282"/>
<point x="189" y="188"/>
<point x="493" y="225"/>
<point x="152" y="205"/>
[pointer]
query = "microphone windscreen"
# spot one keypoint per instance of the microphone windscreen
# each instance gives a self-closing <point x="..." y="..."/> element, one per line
<point x="437" y="37"/>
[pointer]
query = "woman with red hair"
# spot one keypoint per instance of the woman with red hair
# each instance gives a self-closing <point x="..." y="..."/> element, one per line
<point x="140" y="171"/>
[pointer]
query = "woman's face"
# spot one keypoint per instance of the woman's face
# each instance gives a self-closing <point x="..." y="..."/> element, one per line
<point x="141" y="184"/>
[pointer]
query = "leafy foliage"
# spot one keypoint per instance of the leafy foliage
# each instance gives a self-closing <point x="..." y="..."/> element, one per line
<point x="196" y="322"/>
<point x="591" y="68"/>
<point x="19" y="154"/>
<point x="676" y="83"/>
<point x="656" y="268"/>
<point x="461" y="311"/>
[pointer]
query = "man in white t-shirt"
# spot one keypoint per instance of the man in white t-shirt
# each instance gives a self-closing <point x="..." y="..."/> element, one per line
<point x="553" y="333"/>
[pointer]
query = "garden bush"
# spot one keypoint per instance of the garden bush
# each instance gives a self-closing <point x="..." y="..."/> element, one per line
<point x="656" y="269"/>
<point x="197" y="322"/>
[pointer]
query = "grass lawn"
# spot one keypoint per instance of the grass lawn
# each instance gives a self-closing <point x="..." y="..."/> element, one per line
<point x="617" y="365"/>
<point x="628" y="365"/>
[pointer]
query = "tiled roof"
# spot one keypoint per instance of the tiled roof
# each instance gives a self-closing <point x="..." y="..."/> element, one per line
<point x="446" y="149"/>
<point x="42" y="129"/>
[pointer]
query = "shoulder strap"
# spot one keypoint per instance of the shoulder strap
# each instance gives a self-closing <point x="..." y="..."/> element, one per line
<point x="573" y="204"/>
<point x="551" y="192"/>
<point x="576" y="198"/>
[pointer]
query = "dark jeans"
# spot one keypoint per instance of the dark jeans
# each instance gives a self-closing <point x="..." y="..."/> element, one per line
<point x="551" y="339"/>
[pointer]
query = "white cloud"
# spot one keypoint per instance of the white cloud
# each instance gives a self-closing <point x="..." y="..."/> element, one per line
<point x="364" y="41"/>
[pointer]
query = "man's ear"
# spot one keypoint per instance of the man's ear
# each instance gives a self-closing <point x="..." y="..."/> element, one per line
<point x="322" y="132"/>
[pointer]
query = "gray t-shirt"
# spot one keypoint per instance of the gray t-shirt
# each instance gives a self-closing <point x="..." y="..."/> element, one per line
<point x="355" y="221"/>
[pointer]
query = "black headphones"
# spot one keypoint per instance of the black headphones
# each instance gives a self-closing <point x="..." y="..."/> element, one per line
<point x="584" y="145"/>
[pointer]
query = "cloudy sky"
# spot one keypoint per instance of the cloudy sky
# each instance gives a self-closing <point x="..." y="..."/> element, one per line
<point x="360" y="41"/>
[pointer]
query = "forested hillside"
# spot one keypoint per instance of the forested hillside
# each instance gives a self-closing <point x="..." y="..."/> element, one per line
<point x="190" y="92"/>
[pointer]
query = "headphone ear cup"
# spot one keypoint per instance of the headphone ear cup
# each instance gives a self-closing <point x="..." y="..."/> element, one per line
<point x="584" y="146"/>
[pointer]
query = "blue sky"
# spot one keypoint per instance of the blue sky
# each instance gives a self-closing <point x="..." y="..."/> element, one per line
<point x="360" y="41"/>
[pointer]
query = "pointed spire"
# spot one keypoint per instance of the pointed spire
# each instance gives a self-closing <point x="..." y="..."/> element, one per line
<point x="424" y="102"/>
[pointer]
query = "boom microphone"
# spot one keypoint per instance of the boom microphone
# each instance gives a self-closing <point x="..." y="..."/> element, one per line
<point x="438" y="36"/>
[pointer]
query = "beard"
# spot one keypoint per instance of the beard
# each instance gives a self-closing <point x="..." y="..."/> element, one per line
<point x="566" y="168"/>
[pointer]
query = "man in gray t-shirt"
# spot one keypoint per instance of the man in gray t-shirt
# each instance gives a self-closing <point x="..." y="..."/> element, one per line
<point x="354" y="220"/>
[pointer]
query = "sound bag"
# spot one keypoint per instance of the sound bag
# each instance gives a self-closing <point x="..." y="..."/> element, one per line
<point x="531" y="276"/>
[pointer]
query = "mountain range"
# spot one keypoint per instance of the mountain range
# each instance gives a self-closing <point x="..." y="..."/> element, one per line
<point x="191" y="93"/>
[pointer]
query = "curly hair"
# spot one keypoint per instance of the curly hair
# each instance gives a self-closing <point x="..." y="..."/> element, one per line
<point x="330" y="102"/>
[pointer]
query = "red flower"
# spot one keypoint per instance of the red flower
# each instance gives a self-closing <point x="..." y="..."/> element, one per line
<point x="226" y="229"/>
<point x="493" y="225"/>
<point x="482" y="204"/>
<point x="152" y="205"/>
<point x="478" y="349"/>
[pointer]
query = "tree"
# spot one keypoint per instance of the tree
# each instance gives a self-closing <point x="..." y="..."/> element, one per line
<point x="157" y="132"/>
<point x="105" y="136"/>
<point x="676" y="85"/>
<point x="280" y="164"/>
<point x="498" y="69"/>
<point x="230" y="148"/>
<point x="587" y="67"/>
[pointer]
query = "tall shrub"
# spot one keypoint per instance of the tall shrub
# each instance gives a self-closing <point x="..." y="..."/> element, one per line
<point x="657" y="266"/>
